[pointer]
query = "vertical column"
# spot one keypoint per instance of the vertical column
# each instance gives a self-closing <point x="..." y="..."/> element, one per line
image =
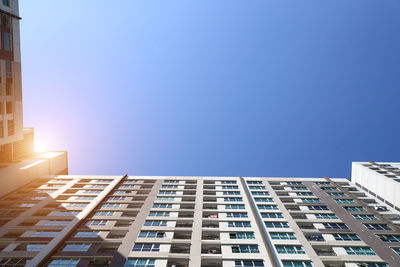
<point x="195" y="249"/>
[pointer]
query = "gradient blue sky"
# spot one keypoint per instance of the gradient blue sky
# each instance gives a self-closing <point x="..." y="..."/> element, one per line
<point x="227" y="87"/>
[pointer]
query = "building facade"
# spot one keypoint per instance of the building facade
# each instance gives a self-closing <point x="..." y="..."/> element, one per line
<point x="11" y="126"/>
<point x="380" y="180"/>
<point x="195" y="221"/>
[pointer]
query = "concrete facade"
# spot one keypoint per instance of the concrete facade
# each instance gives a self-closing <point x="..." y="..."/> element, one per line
<point x="70" y="220"/>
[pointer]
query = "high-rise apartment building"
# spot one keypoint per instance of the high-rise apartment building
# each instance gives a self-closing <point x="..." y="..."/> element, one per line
<point x="379" y="179"/>
<point x="195" y="221"/>
<point x="11" y="128"/>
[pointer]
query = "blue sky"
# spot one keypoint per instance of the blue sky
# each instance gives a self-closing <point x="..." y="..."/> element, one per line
<point x="221" y="88"/>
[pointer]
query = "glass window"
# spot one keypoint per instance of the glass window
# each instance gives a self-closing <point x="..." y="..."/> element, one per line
<point x="139" y="247"/>
<point x="257" y="187"/>
<point x="104" y="213"/>
<point x="344" y="201"/>
<point x="151" y="234"/>
<point x="239" y="224"/>
<point x="325" y="216"/>
<point x="289" y="249"/>
<point x="234" y="206"/>
<point x="111" y="205"/>
<point x="389" y="238"/>
<point x="231" y="193"/>
<point x="354" y="208"/>
<point x="276" y="225"/>
<point x="263" y="199"/>
<point x="7" y="41"/>
<point x="167" y="192"/>
<point x="76" y="247"/>
<point x="310" y="200"/>
<point x="305" y="194"/>
<point x="375" y="226"/>
<point x="140" y="263"/>
<point x="96" y="223"/>
<point x="359" y="251"/>
<point x="335" y="226"/>
<point x="245" y="249"/>
<point x="282" y="236"/>
<point x="63" y="262"/>
<point x="271" y="215"/>
<point x="159" y="214"/>
<point x="165" y="198"/>
<point x="314" y="207"/>
<point x="233" y="199"/>
<point x="260" y="193"/>
<point x="228" y="182"/>
<point x="44" y="234"/>
<point x="236" y="214"/>
<point x="242" y="235"/>
<point x="249" y="263"/>
<point x="230" y="187"/>
<point x="87" y="234"/>
<point x="346" y="237"/>
<point x="155" y="223"/>
<point x="55" y="223"/>
<point x="364" y="217"/>
<point x="162" y="206"/>
<point x="267" y="207"/>
<point x="297" y="264"/>
<point x="254" y="182"/>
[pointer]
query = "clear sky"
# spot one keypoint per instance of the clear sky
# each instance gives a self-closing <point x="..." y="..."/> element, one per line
<point x="213" y="87"/>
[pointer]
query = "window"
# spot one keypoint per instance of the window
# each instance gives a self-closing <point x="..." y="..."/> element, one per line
<point x="249" y="263"/>
<point x="104" y="213"/>
<point x="232" y="193"/>
<point x="230" y="187"/>
<point x="276" y="225"/>
<point x="165" y="198"/>
<point x="260" y="193"/>
<point x="397" y="250"/>
<point x="234" y="206"/>
<point x="283" y="236"/>
<point x="155" y="223"/>
<point x="10" y="127"/>
<point x="344" y="201"/>
<point x="171" y="182"/>
<point x="242" y="235"/>
<point x="256" y="187"/>
<point x="359" y="251"/>
<point x="9" y="109"/>
<point x="245" y="249"/>
<point x="289" y="249"/>
<point x="6" y="3"/>
<point x="30" y="247"/>
<point x="140" y="263"/>
<point x="322" y="183"/>
<point x="167" y="192"/>
<point x="254" y="182"/>
<point x="26" y="205"/>
<point x="325" y="216"/>
<point x="55" y="223"/>
<point x="96" y="223"/>
<point x="116" y="198"/>
<point x="119" y="192"/>
<point x="364" y="217"/>
<point x="233" y="199"/>
<point x="305" y="194"/>
<point x="346" y="237"/>
<point x="228" y="182"/>
<point x="271" y="215"/>
<point x="126" y="186"/>
<point x="63" y="262"/>
<point x="44" y="234"/>
<point x="146" y="247"/>
<point x="310" y="200"/>
<point x="87" y="234"/>
<point x="236" y="215"/>
<point x="267" y="207"/>
<point x="239" y="224"/>
<point x="299" y="188"/>
<point x="162" y="206"/>
<point x="111" y="205"/>
<point x="389" y="238"/>
<point x="264" y="199"/>
<point x="91" y="192"/>
<point x="84" y="198"/>
<point x="8" y="69"/>
<point x="297" y="264"/>
<point x="169" y="186"/>
<point x="375" y="226"/>
<point x="151" y="234"/>
<point x="95" y="186"/>
<point x="76" y="247"/>
<point x="294" y="183"/>
<point x="314" y="207"/>
<point x="336" y="194"/>
<point x="329" y="188"/>
<point x="335" y="226"/>
<point x="354" y="208"/>
<point x="159" y="214"/>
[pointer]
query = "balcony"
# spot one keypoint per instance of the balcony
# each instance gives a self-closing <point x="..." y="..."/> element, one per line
<point x="209" y="199"/>
<point x="211" y="263"/>
<point x="184" y="224"/>
<point x="207" y="224"/>
<point x="315" y="237"/>
<point x="180" y="248"/>
<point x="211" y="249"/>
<point x="210" y="207"/>
<point x="324" y="251"/>
<point x="178" y="263"/>
<point x="190" y="187"/>
<point x="182" y="235"/>
<point x="306" y="226"/>
<point x="209" y="193"/>
<point x="209" y="187"/>
<point x="208" y="215"/>
<point x="187" y="207"/>
<point x="188" y="199"/>
<point x="185" y="214"/>
<point x="189" y="193"/>
<point x="210" y="236"/>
